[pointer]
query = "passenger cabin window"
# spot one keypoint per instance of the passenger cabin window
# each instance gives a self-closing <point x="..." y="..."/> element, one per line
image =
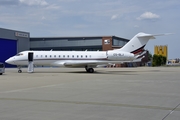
<point x="45" y="55"/>
<point x="50" y="56"/>
<point x="73" y="56"/>
<point x="81" y="56"/>
<point x="54" y="55"/>
<point x="67" y="55"/>
<point x="63" y="55"/>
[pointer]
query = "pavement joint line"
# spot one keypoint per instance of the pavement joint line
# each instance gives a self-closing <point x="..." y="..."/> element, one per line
<point x="20" y="90"/>
<point x="92" y="103"/>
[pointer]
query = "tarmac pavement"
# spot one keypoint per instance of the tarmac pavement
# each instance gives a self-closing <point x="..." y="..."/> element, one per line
<point x="143" y="93"/>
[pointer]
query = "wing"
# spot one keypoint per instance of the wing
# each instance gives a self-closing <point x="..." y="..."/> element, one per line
<point x="80" y="63"/>
<point x="83" y="63"/>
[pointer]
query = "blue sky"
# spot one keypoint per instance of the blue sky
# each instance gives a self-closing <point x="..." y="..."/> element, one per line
<point x="122" y="18"/>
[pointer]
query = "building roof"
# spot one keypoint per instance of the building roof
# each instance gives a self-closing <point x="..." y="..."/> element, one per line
<point x="74" y="37"/>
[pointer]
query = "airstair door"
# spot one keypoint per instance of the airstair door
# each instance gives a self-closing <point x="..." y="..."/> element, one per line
<point x="30" y="62"/>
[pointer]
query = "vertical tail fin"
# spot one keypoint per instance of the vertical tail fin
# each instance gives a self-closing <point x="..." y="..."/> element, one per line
<point x="138" y="42"/>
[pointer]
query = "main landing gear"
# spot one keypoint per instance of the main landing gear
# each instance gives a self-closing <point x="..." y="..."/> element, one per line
<point x="89" y="70"/>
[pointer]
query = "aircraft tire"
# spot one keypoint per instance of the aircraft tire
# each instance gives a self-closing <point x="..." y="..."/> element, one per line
<point x="19" y="71"/>
<point x="90" y="70"/>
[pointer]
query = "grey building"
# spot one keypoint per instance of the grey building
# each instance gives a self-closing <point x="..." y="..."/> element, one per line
<point x="90" y="43"/>
<point x="12" y="42"/>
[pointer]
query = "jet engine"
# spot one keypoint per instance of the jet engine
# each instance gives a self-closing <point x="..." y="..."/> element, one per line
<point x="116" y="55"/>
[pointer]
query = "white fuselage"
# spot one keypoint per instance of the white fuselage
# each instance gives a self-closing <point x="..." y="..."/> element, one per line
<point x="60" y="58"/>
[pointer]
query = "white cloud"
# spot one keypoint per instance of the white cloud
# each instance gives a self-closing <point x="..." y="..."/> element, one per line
<point x="53" y="7"/>
<point x="34" y="2"/>
<point x="114" y="17"/>
<point x="148" y="15"/>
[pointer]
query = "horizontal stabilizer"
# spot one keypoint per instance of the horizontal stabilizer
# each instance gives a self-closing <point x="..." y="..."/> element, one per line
<point x="152" y="35"/>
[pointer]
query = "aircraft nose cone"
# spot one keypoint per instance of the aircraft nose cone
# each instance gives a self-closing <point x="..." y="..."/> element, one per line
<point x="9" y="61"/>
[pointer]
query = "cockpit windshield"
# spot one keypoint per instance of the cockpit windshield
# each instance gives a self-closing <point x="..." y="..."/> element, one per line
<point x="19" y="54"/>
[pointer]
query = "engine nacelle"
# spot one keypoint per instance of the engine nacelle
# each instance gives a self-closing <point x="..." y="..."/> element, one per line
<point x="116" y="55"/>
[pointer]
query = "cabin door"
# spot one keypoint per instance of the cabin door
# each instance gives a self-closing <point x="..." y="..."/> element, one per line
<point x="30" y="56"/>
<point x="30" y="62"/>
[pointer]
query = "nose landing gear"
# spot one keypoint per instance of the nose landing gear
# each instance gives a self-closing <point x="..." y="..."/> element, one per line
<point x="19" y="69"/>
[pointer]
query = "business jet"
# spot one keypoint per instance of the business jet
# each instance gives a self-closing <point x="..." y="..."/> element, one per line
<point x="82" y="59"/>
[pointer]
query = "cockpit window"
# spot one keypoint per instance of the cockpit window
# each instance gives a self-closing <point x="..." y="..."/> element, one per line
<point x="19" y="54"/>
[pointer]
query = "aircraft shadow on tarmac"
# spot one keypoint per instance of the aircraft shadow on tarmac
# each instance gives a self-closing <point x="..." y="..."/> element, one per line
<point x="113" y="72"/>
<point x="101" y="72"/>
<point x="95" y="72"/>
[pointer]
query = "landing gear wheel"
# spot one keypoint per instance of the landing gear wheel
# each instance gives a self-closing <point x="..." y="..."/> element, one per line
<point x="19" y="71"/>
<point x="91" y="70"/>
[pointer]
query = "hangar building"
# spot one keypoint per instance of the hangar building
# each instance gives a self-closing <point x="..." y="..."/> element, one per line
<point x="13" y="41"/>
